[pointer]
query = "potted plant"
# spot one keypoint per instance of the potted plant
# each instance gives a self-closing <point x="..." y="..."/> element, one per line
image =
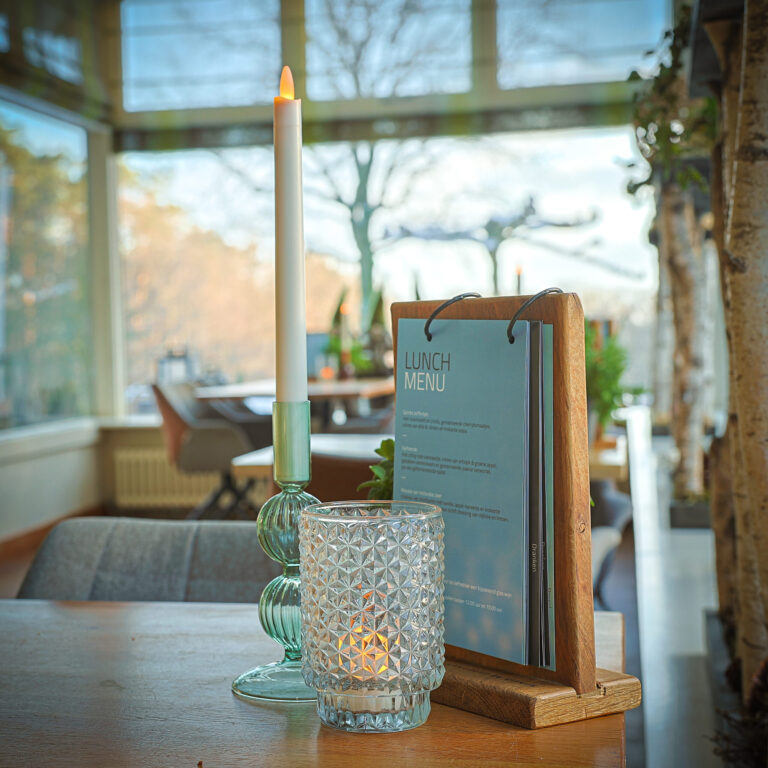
<point x="605" y="365"/>
<point x="380" y="486"/>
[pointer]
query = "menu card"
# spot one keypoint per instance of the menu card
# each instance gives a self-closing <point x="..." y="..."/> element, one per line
<point x="474" y="435"/>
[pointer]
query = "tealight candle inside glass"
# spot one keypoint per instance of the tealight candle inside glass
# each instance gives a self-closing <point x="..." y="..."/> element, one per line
<point x="372" y="611"/>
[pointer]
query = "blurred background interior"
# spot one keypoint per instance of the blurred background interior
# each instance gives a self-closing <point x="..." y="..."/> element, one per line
<point x="450" y="145"/>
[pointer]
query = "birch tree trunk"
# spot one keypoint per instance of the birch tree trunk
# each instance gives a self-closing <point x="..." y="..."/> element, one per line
<point x="681" y="251"/>
<point x="722" y="507"/>
<point x="742" y="273"/>
<point x="747" y="264"/>
<point x="665" y="349"/>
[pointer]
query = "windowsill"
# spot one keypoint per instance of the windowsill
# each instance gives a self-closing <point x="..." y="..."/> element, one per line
<point x="136" y="421"/>
<point x="48" y="438"/>
<point x="37" y="440"/>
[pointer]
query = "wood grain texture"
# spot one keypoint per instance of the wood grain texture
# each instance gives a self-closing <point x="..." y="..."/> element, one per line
<point x="574" y="628"/>
<point x="148" y="684"/>
<point x="533" y="703"/>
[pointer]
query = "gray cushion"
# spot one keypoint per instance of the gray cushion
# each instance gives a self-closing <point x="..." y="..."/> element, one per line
<point x="108" y="558"/>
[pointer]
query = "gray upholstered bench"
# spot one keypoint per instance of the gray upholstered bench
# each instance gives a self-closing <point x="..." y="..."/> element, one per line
<point x="113" y="558"/>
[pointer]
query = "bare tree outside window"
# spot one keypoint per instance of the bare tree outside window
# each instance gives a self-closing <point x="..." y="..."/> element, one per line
<point x="367" y="49"/>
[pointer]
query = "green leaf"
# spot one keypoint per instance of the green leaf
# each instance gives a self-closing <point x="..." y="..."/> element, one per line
<point x="604" y="367"/>
<point x="379" y="471"/>
<point x="380" y="486"/>
<point x="387" y="449"/>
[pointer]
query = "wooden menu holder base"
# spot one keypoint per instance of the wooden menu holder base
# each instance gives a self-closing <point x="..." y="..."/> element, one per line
<point x="530" y="702"/>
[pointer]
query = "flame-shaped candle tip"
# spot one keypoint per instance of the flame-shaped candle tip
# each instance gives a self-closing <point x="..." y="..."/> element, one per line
<point x="286" y="84"/>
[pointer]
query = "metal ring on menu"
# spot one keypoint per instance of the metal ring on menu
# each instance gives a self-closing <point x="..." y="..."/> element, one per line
<point x="469" y="295"/>
<point x="525" y="304"/>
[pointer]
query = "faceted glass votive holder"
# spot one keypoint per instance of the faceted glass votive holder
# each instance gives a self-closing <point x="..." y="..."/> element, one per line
<point x="372" y="611"/>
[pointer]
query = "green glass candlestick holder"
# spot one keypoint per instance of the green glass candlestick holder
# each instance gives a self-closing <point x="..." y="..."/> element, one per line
<point x="278" y="530"/>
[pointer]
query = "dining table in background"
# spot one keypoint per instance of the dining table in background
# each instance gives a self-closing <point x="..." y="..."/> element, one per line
<point x="340" y="463"/>
<point x="609" y="460"/>
<point x="122" y="684"/>
<point x="352" y="454"/>
<point x="352" y="447"/>
<point x="353" y="389"/>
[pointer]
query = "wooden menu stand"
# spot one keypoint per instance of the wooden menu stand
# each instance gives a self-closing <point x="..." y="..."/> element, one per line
<point x="575" y="690"/>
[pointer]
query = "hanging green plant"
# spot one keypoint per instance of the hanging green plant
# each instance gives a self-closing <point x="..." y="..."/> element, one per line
<point x="670" y="128"/>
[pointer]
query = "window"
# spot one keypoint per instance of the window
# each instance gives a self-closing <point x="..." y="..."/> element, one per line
<point x="197" y="233"/>
<point x="61" y="55"/>
<point x="389" y="48"/>
<point x="5" y="38"/>
<point x="45" y="339"/>
<point x="561" y="42"/>
<point x="182" y="54"/>
<point x="198" y="268"/>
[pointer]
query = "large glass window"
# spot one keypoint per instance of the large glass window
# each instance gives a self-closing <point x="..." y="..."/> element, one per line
<point x="561" y="42"/>
<point x="198" y="267"/>
<point x="358" y="49"/>
<point x="45" y="339"/>
<point x="435" y="217"/>
<point x="181" y="54"/>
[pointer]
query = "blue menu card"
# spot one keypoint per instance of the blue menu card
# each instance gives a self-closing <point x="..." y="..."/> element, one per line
<point x="462" y="442"/>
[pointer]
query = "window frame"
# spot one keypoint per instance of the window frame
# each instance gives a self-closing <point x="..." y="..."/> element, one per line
<point x="486" y="107"/>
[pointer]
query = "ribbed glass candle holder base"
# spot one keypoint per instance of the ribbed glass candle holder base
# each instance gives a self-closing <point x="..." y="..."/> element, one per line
<point x="279" y="681"/>
<point x="279" y="610"/>
<point x="376" y="712"/>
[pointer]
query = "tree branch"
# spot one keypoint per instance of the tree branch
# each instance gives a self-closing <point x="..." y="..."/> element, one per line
<point x="239" y="173"/>
<point x="583" y="256"/>
<point x="336" y="194"/>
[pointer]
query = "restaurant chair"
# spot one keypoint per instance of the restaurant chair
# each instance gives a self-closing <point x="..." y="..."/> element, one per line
<point x="199" y="439"/>
<point x="257" y="426"/>
<point x="115" y="558"/>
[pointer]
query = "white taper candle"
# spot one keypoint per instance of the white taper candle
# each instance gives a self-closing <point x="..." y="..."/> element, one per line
<point x="290" y="292"/>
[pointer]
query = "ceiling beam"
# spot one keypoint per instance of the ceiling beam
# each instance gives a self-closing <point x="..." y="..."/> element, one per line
<point x="525" y="109"/>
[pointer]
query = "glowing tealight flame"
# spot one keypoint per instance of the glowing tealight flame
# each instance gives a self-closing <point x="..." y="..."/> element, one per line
<point x="364" y="650"/>
<point x="286" y="84"/>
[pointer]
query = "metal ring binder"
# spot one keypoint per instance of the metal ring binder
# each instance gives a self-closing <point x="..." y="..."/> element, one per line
<point x="468" y="295"/>
<point x="525" y="304"/>
<point x="471" y="294"/>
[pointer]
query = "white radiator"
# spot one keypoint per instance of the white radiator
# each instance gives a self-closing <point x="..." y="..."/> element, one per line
<point x="145" y="478"/>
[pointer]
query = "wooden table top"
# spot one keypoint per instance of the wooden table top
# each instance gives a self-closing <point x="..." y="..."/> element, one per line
<point x="343" y="446"/>
<point x="317" y="390"/>
<point x="148" y="684"/>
